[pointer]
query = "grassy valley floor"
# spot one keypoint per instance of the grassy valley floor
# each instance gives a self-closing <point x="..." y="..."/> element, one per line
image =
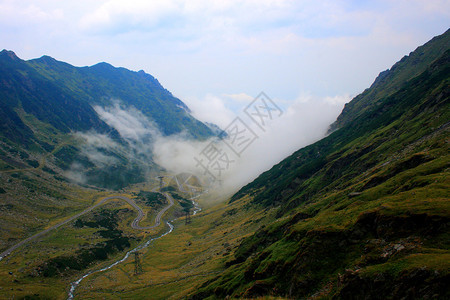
<point x="44" y="267"/>
<point x="173" y="266"/>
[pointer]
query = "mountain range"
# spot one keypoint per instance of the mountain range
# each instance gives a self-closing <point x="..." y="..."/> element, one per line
<point x="44" y="102"/>
<point x="360" y="214"/>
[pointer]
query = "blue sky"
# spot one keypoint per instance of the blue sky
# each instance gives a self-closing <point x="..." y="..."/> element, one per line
<point x="223" y="53"/>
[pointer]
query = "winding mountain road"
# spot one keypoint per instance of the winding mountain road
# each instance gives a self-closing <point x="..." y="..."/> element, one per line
<point x="134" y="224"/>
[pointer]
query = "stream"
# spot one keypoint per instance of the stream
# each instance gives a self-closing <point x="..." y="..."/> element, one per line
<point x="75" y="284"/>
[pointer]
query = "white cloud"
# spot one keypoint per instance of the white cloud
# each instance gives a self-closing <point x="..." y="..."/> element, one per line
<point x="18" y="13"/>
<point x="240" y="97"/>
<point x="92" y="146"/>
<point x="129" y="122"/>
<point x="176" y="154"/>
<point x="199" y="47"/>
<point x="304" y="122"/>
<point x="121" y="16"/>
<point x="211" y="109"/>
<point x="39" y="15"/>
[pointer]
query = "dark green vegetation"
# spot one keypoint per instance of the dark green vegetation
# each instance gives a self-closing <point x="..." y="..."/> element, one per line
<point x="151" y="199"/>
<point x="168" y="188"/>
<point x="62" y="95"/>
<point x="185" y="203"/>
<point x="114" y="241"/>
<point x="363" y="213"/>
<point x="44" y="102"/>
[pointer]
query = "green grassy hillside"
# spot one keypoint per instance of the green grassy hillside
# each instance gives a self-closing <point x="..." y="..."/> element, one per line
<point x="47" y="174"/>
<point x="390" y="81"/>
<point x="363" y="213"/>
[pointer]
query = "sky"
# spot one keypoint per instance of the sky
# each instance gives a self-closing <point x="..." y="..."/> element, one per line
<point x="224" y="52"/>
<point x="309" y="57"/>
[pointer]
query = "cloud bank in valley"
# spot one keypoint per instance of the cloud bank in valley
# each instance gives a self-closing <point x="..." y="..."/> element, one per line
<point x="300" y="124"/>
<point x="132" y="152"/>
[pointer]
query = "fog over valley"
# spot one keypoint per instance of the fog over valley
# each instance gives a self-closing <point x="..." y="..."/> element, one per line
<point x="302" y="123"/>
<point x="239" y="149"/>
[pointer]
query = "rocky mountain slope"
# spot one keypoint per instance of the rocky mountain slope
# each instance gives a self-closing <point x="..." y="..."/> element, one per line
<point x="45" y="103"/>
<point x="363" y="213"/>
<point x="391" y="80"/>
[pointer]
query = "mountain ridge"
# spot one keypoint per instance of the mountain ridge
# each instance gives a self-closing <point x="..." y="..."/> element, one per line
<point x="362" y="213"/>
<point x="47" y="104"/>
<point x="101" y="81"/>
<point x="405" y="69"/>
<point x="357" y="99"/>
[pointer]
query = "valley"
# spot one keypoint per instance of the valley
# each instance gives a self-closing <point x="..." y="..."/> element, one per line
<point x="134" y="225"/>
<point x="69" y="232"/>
<point x="190" y="254"/>
<point x="89" y="210"/>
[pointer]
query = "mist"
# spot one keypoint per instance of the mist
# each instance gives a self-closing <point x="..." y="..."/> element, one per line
<point x="100" y="154"/>
<point x="303" y="122"/>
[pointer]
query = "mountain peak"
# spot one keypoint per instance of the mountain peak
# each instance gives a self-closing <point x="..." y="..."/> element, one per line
<point x="47" y="58"/>
<point x="10" y="54"/>
<point x="380" y="77"/>
<point x="391" y="80"/>
<point x="103" y="65"/>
